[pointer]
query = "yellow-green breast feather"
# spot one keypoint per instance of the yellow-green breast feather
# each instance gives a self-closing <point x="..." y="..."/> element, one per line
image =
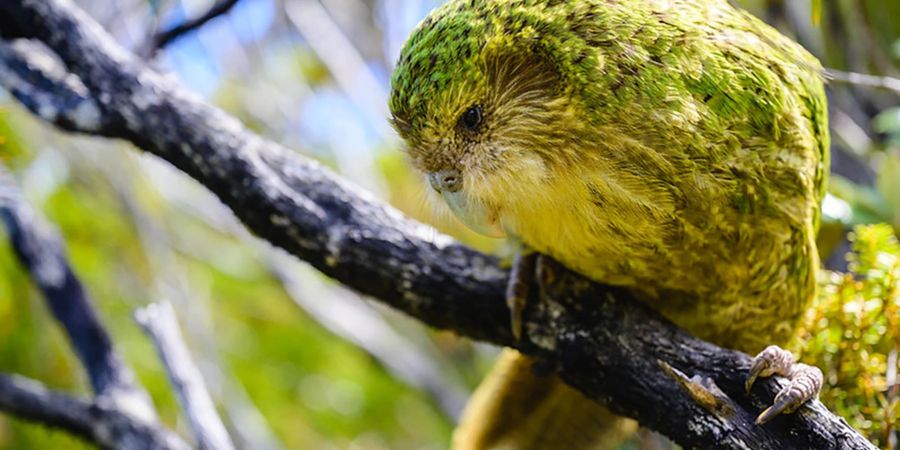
<point x="678" y="148"/>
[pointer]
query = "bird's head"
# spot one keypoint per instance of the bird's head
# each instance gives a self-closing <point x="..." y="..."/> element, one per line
<point x="483" y="107"/>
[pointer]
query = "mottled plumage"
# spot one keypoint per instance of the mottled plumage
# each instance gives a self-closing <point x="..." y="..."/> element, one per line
<point x="678" y="148"/>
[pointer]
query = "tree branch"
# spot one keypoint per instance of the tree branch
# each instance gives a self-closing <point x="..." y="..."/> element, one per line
<point x="41" y="253"/>
<point x="166" y="37"/>
<point x="107" y="427"/>
<point x="595" y="337"/>
<point x="862" y="79"/>
<point x="159" y="322"/>
<point x="33" y="74"/>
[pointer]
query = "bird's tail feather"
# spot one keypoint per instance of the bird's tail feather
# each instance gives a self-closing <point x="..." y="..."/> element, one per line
<point x="514" y="409"/>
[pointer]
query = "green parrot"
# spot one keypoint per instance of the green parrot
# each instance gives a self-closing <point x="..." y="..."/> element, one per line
<point x="676" y="148"/>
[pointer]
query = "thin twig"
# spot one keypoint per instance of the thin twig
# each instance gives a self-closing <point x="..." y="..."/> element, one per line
<point x="354" y="76"/>
<point x="344" y="62"/>
<point x="159" y="322"/>
<point x="862" y="79"/>
<point x="250" y="428"/>
<point x="169" y="35"/>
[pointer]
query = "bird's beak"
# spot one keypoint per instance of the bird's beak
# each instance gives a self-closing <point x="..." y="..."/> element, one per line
<point x="449" y="180"/>
<point x="474" y="215"/>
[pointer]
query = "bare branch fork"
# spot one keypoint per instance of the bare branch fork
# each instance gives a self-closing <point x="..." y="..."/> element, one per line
<point x="613" y="349"/>
<point x="120" y="416"/>
<point x="108" y="427"/>
<point x="41" y="252"/>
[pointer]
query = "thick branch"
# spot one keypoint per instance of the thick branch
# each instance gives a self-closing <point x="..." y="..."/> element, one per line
<point x="595" y="337"/>
<point x="620" y="351"/>
<point x="159" y="322"/>
<point x="40" y="251"/>
<point x="94" y="422"/>
<point x="37" y="79"/>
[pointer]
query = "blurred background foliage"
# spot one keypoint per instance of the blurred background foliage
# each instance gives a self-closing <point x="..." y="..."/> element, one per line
<point x="853" y="334"/>
<point x="296" y="361"/>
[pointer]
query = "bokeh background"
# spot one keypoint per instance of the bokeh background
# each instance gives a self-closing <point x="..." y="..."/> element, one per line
<point x="293" y="359"/>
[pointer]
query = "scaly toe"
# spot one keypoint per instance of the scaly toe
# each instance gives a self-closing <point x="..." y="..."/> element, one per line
<point x="772" y="360"/>
<point x="806" y="381"/>
<point x="520" y="279"/>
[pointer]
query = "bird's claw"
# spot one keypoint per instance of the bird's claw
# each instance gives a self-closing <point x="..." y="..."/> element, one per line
<point x="805" y="381"/>
<point x="771" y="361"/>
<point x="520" y="279"/>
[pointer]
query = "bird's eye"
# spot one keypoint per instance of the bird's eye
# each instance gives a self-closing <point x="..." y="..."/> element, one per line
<point x="471" y="119"/>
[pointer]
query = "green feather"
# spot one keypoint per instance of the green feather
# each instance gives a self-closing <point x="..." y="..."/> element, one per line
<point x="676" y="148"/>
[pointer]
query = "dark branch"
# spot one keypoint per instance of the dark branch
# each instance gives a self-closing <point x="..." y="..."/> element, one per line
<point x="40" y="251"/>
<point x="93" y="422"/>
<point x="166" y="37"/>
<point x="622" y="353"/>
<point x="595" y="337"/>
<point x="33" y="74"/>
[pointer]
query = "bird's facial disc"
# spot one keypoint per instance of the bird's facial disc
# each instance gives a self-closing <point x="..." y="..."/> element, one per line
<point x="473" y="214"/>
<point x="476" y="121"/>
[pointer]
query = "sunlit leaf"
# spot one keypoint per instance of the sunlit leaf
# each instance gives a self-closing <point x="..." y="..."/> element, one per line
<point x="888" y="183"/>
<point x="816" y="11"/>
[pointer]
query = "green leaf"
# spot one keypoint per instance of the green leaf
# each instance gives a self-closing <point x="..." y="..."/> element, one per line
<point x="888" y="184"/>
<point x="816" y="6"/>
<point x="887" y="121"/>
<point x="867" y="203"/>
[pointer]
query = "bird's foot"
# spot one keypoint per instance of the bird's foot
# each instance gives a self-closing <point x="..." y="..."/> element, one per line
<point x="805" y="381"/>
<point x="521" y="278"/>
